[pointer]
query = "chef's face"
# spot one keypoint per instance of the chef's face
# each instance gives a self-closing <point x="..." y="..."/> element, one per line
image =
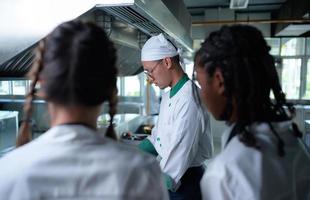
<point x="157" y="72"/>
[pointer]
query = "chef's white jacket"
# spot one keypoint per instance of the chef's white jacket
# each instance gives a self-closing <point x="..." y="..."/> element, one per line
<point x="243" y="173"/>
<point x="182" y="135"/>
<point x="76" y="162"/>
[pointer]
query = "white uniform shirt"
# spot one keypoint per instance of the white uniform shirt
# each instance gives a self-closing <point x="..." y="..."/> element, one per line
<point x="153" y="100"/>
<point x="244" y="173"/>
<point x="181" y="136"/>
<point x="75" y="162"/>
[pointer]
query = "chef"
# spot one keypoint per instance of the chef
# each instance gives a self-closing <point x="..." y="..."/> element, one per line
<point x="181" y="139"/>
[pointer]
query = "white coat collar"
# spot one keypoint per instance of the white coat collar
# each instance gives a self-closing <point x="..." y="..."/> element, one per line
<point x="70" y="133"/>
<point x="259" y="128"/>
<point x="225" y="135"/>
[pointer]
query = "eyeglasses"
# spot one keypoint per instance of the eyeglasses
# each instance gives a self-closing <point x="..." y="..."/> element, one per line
<point x="149" y="73"/>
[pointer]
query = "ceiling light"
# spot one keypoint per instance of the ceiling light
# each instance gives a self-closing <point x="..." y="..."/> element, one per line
<point x="238" y="4"/>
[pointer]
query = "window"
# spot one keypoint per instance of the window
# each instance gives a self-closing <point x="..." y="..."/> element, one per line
<point x="5" y="87"/>
<point x="290" y="77"/>
<point x="307" y="93"/>
<point x="132" y="86"/>
<point x="292" y="46"/>
<point x="274" y="44"/>
<point x="19" y="87"/>
<point x="118" y="84"/>
<point x="15" y="87"/>
<point x="308" y="47"/>
<point x="156" y="89"/>
<point x="189" y="67"/>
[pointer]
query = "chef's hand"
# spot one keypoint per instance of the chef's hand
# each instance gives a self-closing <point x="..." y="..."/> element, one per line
<point x="169" y="182"/>
<point x="148" y="147"/>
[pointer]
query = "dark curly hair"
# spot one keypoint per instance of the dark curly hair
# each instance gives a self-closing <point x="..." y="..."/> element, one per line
<point x="77" y="62"/>
<point x="241" y="53"/>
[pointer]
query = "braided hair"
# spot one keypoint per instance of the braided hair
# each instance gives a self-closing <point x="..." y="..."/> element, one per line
<point x="24" y="131"/>
<point x="242" y="55"/>
<point x="77" y="63"/>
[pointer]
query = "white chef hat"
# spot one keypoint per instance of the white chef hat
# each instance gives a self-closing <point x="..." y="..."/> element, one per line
<point x="156" y="48"/>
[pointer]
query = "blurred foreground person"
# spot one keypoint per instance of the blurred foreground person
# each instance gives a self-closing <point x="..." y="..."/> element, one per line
<point x="262" y="155"/>
<point x="75" y="67"/>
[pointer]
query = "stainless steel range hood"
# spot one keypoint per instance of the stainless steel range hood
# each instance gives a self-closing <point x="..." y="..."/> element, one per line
<point x="24" y="22"/>
<point x="155" y="16"/>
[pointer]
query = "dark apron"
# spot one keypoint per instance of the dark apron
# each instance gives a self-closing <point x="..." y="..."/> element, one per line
<point x="190" y="185"/>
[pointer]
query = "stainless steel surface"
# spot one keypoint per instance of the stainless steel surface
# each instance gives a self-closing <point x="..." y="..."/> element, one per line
<point x="122" y="122"/>
<point x="125" y="122"/>
<point x="19" y="65"/>
<point x="128" y="60"/>
<point x="8" y="130"/>
<point x="24" y="22"/>
<point x="123" y="35"/>
<point x="126" y="126"/>
<point x="125" y="38"/>
<point x="154" y="17"/>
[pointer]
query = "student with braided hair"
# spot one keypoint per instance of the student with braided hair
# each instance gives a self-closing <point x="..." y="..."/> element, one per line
<point x="75" y="66"/>
<point x="262" y="154"/>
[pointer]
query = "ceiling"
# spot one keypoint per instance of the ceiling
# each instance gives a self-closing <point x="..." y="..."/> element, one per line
<point x="206" y="13"/>
<point x="195" y="6"/>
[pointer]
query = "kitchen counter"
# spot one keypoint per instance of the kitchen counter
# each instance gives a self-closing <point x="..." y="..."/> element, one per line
<point x="126" y="126"/>
<point x="8" y="130"/>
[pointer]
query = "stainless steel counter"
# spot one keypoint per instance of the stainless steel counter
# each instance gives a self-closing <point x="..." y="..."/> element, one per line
<point x="126" y="126"/>
<point x="8" y="130"/>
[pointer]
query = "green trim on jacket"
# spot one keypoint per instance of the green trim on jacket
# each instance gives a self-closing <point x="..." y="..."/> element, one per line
<point x="148" y="147"/>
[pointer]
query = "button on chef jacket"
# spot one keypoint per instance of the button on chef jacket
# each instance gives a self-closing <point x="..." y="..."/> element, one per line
<point x="241" y="173"/>
<point x="181" y="136"/>
<point x="74" y="162"/>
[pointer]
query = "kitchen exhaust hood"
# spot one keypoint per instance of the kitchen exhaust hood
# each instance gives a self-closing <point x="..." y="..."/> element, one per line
<point x="155" y="16"/>
<point x="24" y="22"/>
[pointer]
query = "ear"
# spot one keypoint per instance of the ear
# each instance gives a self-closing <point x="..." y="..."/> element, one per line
<point x="218" y="80"/>
<point x="167" y="62"/>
